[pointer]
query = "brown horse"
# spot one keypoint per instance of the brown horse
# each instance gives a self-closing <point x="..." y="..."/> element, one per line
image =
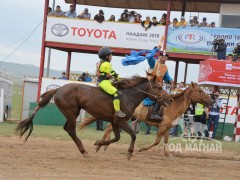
<point x="193" y="94"/>
<point x="71" y="98"/>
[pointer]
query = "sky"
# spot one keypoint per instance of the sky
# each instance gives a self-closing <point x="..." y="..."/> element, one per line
<point x="19" y="18"/>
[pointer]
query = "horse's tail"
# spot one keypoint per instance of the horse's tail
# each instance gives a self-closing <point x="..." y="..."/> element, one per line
<point x="27" y="124"/>
<point x="86" y="122"/>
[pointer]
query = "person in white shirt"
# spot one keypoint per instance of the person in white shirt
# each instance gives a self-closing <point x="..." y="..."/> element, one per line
<point x="214" y="113"/>
<point x="85" y="14"/>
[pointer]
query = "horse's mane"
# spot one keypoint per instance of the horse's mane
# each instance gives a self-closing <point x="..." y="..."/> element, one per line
<point x="179" y="94"/>
<point x="130" y="82"/>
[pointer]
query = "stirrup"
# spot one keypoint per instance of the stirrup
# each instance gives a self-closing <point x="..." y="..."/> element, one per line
<point x="120" y="114"/>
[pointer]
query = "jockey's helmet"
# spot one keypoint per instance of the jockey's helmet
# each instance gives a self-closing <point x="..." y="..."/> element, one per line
<point x="103" y="52"/>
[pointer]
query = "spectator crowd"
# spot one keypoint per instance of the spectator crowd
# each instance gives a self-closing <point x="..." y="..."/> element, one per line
<point x="132" y="17"/>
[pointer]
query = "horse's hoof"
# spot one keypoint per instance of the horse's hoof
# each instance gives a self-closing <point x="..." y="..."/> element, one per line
<point x="86" y="155"/>
<point x="167" y="154"/>
<point x="129" y="155"/>
<point x="97" y="143"/>
<point x="142" y="149"/>
<point x="97" y="148"/>
<point x="105" y="148"/>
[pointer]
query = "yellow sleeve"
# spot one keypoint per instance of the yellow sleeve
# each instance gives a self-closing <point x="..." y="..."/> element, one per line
<point x="106" y="67"/>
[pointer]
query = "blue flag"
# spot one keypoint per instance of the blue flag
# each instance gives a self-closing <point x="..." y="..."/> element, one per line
<point x="137" y="57"/>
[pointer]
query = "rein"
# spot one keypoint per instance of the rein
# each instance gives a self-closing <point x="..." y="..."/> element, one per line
<point x="155" y="96"/>
<point x="192" y="91"/>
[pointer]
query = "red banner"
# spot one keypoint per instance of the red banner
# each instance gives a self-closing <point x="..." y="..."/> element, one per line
<point x="222" y="73"/>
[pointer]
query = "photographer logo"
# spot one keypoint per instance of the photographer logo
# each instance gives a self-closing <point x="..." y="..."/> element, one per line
<point x="59" y="30"/>
<point x="228" y="66"/>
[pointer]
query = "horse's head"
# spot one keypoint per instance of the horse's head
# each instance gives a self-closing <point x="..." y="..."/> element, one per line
<point x="159" y="94"/>
<point x="198" y="95"/>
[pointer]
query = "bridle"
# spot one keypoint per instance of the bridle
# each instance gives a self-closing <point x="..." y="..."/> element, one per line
<point x="157" y="96"/>
<point x="191" y="92"/>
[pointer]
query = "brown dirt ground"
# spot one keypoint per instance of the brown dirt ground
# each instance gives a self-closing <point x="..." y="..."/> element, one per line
<point x="42" y="158"/>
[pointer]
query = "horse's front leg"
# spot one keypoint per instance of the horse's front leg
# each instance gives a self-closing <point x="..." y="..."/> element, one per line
<point x="161" y="131"/>
<point x="124" y="125"/>
<point x="106" y="136"/>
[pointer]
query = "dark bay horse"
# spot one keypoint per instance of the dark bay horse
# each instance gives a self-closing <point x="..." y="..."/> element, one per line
<point x="71" y="98"/>
<point x="193" y="94"/>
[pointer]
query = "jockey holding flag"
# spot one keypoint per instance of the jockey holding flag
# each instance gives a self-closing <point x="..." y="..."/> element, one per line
<point x="160" y="69"/>
<point x="156" y="67"/>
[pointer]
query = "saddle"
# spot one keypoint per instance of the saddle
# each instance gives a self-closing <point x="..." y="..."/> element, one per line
<point x="144" y="112"/>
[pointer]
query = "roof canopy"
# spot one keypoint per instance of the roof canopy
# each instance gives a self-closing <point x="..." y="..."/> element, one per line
<point x="211" y="6"/>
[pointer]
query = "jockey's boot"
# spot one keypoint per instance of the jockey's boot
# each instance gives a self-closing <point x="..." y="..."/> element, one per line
<point x="155" y="116"/>
<point x="120" y="114"/>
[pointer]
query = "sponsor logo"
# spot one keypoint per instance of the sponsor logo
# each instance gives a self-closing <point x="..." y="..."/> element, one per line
<point x="228" y="66"/>
<point x="190" y="38"/>
<point x="93" y="33"/>
<point x="59" y="30"/>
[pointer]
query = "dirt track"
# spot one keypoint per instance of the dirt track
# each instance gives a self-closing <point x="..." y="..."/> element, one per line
<point x="42" y="158"/>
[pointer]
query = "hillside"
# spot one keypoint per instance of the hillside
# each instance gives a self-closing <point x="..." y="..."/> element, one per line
<point x="27" y="70"/>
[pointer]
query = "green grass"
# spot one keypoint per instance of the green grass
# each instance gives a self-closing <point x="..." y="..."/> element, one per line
<point x="57" y="132"/>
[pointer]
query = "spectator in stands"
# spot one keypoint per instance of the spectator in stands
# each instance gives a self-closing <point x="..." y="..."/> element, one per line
<point x="203" y="23"/>
<point x="194" y="22"/>
<point x="112" y="18"/>
<point x="214" y="113"/>
<point x="100" y="16"/>
<point x="147" y="23"/>
<point x="85" y="14"/>
<point x="175" y="22"/>
<point x="138" y="18"/>
<point x="82" y="77"/>
<point x="71" y="13"/>
<point x="63" y="76"/>
<point x="230" y="58"/>
<point x="58" y="12"/>
<point x="123" y="18"/>
<point x="126" y="12"/>
<point x="182" y="23"/>
<point x="154" y="21"/>
<point x="88" y="77"/>
<point x="131" y="16"/>
<point x="49" y="10"/>
<point x="85" y="77"/>
<point x="163" y="19"/>
<point x="212" y="25"/>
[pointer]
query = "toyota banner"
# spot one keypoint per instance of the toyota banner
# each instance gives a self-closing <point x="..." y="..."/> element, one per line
<point x="113" y="34"/>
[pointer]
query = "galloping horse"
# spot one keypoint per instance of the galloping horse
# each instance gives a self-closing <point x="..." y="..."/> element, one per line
<point x="171" y="113"/>
<point x="71" y="98"/>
